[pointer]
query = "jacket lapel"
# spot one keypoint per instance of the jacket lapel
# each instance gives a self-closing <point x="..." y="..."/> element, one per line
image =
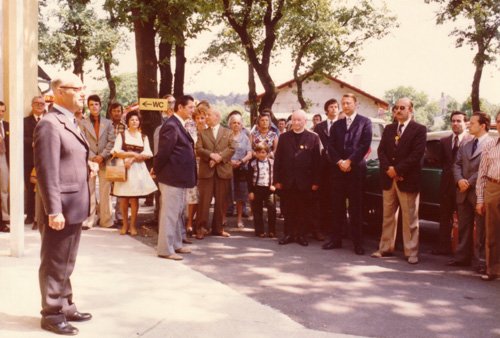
<point x="70" y="127"/>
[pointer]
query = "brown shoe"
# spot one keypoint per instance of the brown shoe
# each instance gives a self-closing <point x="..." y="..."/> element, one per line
<point x="223" y="234"/>
<point x="183" y="250"/>
<point x="172" y="257"/>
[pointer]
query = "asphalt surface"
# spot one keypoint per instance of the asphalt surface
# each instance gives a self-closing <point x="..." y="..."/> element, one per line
<point x="338" y="292"/>
<point x="245" y="286"/>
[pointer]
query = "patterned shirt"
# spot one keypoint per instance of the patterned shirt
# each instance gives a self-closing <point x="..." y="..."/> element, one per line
<point x="269" y="138"/>
<point x="489" y="167"/>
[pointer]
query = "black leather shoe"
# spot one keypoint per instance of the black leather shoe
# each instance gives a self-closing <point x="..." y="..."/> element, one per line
<point x="358" y="250"/>
<point x="4" y="228"/>
<point x="301" y="240"/>
<point x="29" y="220"/>
<point x="63" y="328"/>
<point x="332" y="245"/>
<point x="286" y="240"/>
<point x="458" y="263"/>
<point x="78" y="317"/>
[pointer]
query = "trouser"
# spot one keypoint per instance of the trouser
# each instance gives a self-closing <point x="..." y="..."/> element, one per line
<point x="105" y="206"/>
<point x="4" y="187"/>
<point x="171" y="219"/>
<point x="58" y="256"/>
<point x="448" y="206"/>
<point x="263" y="197"/>
<point x="213" y="187"/>
<point x="467" y="250"/>
<point x="408" y="202"/>
<point x="297" y="207"/>
<point x="492" y="207"/>
<point x="29" y="196"/>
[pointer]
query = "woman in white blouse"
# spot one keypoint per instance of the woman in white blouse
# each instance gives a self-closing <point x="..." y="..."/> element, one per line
<point x="133" y="148"/>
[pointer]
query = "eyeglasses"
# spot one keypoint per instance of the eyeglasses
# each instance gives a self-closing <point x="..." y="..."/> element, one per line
<point x="399" y="107"/>
<point x="76" y="89"/>
<point x="38" y="103"/>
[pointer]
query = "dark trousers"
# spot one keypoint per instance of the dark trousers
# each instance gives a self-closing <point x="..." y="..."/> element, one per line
<point x="297" y="210"/>
<point x="58" y="257"/>
<point x="347" y="189"/>
<point x="30" y="194"/>
<point x="263" y="197"/>
<point x="447" y="208"/>
<point x="213" y="187"/>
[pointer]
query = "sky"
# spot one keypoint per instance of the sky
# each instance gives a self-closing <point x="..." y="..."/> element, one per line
<point x="418" y="53"/>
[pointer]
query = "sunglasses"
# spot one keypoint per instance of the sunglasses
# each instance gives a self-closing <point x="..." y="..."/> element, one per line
<point x="399" y="107"/>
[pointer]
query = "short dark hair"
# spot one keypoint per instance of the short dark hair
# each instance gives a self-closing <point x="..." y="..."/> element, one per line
<point x="112" y="106"/>
<point x="2" y="103"/>
<point x="94" y="98"/>
<point x="182" y="101"/>
<point x="317" y="115"/>
<point x="133" y="113"/>
<point x="351" y="95"/>
<point x="282" y="119"/>
<point x="328" y="103"/>
<point x="483" y="119"/>
<point x="458" y="112"/>
<point x="261" y="146"/>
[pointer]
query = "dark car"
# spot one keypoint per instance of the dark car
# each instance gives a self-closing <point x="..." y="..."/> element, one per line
<point x="429" y="189"/>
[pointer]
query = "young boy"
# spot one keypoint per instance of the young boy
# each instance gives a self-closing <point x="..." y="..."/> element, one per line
<point x="260" y="178"/>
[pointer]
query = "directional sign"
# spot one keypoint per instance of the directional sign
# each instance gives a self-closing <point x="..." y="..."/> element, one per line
<point x="153" y="104"/>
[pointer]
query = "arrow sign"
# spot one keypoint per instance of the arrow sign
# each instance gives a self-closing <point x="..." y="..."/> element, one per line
<point x="153" y="104"/>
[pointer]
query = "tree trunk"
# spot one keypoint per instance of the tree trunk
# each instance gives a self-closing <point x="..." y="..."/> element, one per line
<point x="479" y="63"/>
<point x="147" y="66"/>
<point x="252" y="94"/>
<point x="109" y="79"/>
<point x="166" y="76"/>
<point x="299" y="80"/>
<point x="180" y="69"/>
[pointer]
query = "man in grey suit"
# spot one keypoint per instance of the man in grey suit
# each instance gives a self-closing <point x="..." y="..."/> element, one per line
<point x="61" y="154"/>
<point x="465" y="172"/>
<point x="100" y="135"/>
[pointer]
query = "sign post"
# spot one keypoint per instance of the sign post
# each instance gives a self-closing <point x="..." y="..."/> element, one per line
<point x="153" y="104"/>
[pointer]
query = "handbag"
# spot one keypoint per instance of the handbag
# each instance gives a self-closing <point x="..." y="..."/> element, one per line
<point x="115" y="170"/>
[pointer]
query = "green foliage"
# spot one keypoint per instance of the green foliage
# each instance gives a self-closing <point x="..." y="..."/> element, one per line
<point x="76" y="36"/>
<point x="486" y="106"/>
<point x="126" y="90"/>
<point x="419" y="98"/>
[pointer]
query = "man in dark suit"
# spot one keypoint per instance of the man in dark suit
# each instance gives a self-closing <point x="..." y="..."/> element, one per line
<point x="4" y="168"/>
<point x="465" y="172"/>
<point x="349" y="142"/>
<point x="449" y="146"/>
<point x="215" y="147"/>
<point x="175" y="168"/>
<point x="61" y="154"/>
<point x="30" y="122"/>
<point x="401" y="152"/>
<point x="296" y="176"/>
<point x="323" y="202"/>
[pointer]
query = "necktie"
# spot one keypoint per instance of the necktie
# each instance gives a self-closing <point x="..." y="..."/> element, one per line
<point x="455" y="147"/>
<point x="329" y="125"/>
<point x="399" y="132"/>
<point x="348" y="122"/>
<point x="474" y="146"/>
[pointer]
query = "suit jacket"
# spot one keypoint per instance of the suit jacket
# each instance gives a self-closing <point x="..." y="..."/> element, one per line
<point x="99" y="146"/>
<point x="466" y="167"/>
<point x="447" y="162"/>
<point x="175" y="163"/>
<point x="6" y="139"/>
<point x="321" y="130"/>
<point x="406" y="157"/>
<point x="352" y="144"/>
<point x="297" y="165"/>
<point x="61" y="153"/>
<point x="223" y="145"/>
<point x="29" y="127"/>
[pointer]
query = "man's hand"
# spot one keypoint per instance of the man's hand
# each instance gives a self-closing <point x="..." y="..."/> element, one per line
<point x="216" y="157"/>
<point x="57" y="222"/>
<point x="391" y="172"/>
<point x="315" y="187"/>
<point x="94" y="168"/>
<point x="463" y="185"/>
<point x="98" y="159"/>
<point x="278" y="186"/>
<point x="480" y="208"/>
<point x="251" y="196"/>
<point x="272" y="188"/>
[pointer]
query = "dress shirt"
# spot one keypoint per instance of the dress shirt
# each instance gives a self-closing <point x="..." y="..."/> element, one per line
<point x="180" y="120"/>
<point x="489" y="167"/>
<point x="215" y="130"/>
<point x="405" y="124"/>
<point x="352" y="117"/>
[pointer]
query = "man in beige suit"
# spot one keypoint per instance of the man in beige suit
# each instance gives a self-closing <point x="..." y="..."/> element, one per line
<point x="215" y="147"/>
<point x="100" y="135"/>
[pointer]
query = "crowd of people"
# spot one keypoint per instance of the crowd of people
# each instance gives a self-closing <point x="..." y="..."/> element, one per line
<point x="316" y="174"/>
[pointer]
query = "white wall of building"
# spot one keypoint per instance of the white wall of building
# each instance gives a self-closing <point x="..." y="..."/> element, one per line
<point x="317" y="93"/>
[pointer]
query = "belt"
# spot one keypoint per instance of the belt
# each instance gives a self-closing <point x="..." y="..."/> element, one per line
<point x="493" y="180"/>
